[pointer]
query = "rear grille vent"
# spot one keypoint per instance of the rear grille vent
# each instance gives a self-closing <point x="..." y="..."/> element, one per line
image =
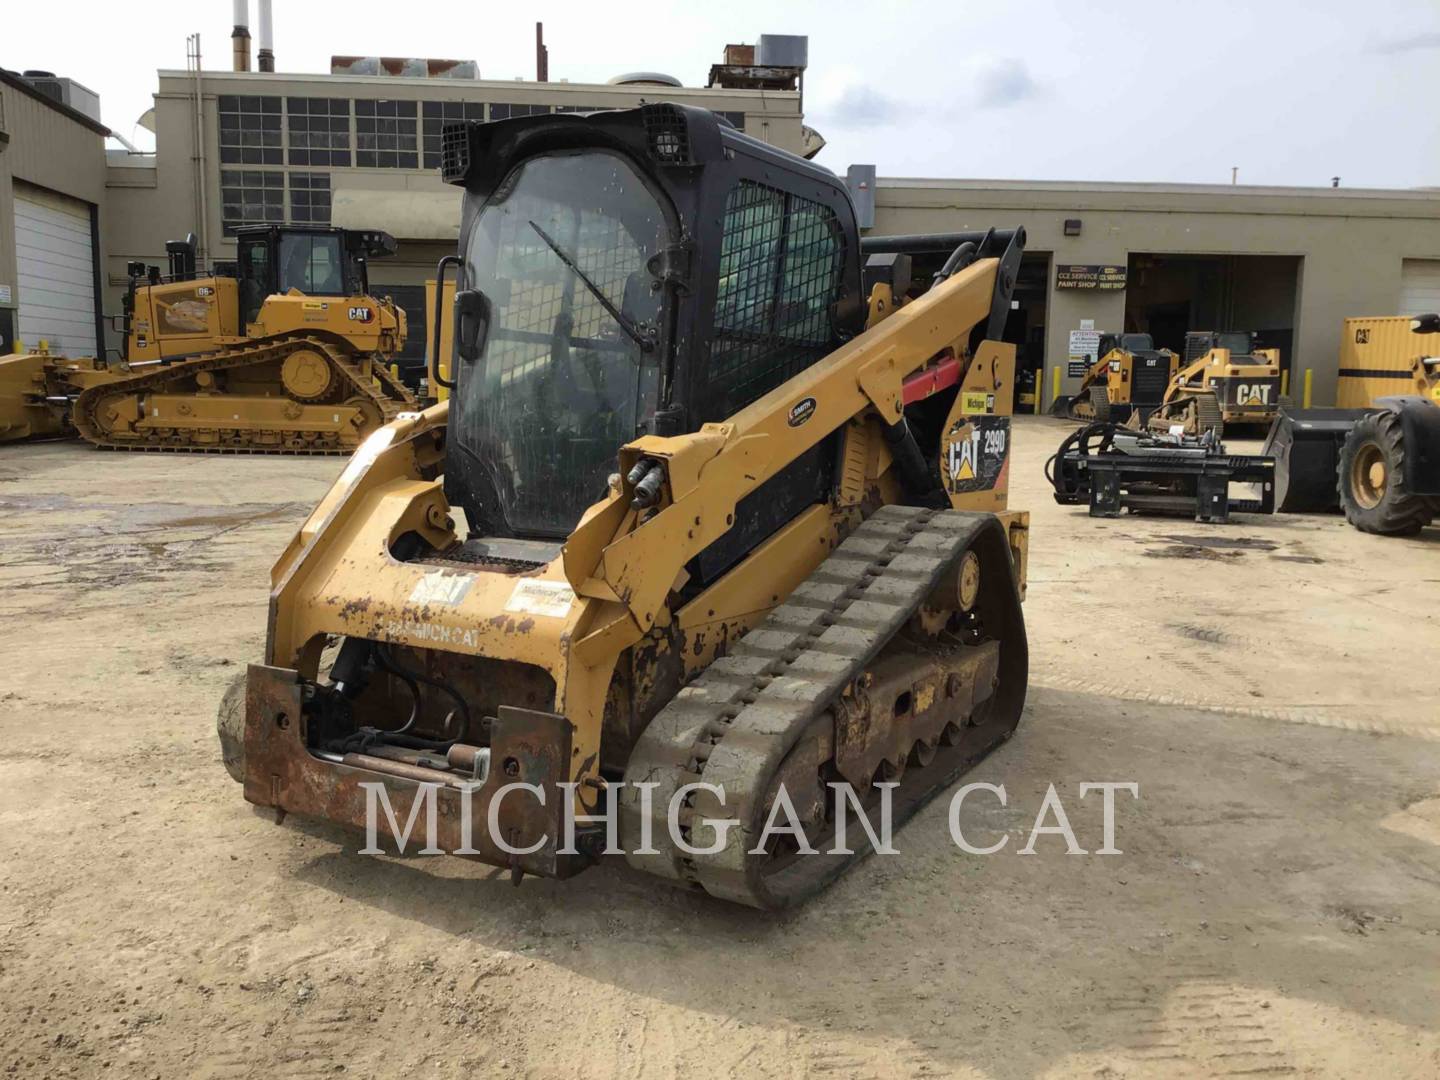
<point x="1152" y="377"/>
<point x="668" y="135"/>
<point x="455" y="152"/>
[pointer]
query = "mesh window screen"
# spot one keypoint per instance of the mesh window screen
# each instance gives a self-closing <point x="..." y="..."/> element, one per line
<point x="781" y="260"/>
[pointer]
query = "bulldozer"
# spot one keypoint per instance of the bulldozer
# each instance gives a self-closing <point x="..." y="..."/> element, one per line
<point x="712" y="525"/>
<point x="285" y="352"/>
<point x="1130" y="379"/>
<point x="1380" y="461"/>
<point x="1225" y="380"/>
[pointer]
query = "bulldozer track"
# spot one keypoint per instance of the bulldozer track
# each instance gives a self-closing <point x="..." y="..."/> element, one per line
<point x="391" y="403"/>
<point x="735" y="723"/>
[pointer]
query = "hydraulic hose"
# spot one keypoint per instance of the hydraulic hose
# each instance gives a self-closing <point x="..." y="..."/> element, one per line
<point x="388" y="662"/>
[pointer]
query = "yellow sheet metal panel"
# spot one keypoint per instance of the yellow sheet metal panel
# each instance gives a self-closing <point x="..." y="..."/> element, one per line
<point x="1377" y="357"/>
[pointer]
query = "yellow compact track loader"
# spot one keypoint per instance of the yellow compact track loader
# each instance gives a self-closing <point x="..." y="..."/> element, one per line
<point x="287" y="354"/>
<point x="1225" y="380"/>
<point x="707" y="517"/>
<point x="1129" y="379"/>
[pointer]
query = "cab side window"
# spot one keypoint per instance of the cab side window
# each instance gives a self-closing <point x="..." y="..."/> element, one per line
<point x="254" y="260"/>
<point x="781" y="265"/>
<point x="311" y="264"/>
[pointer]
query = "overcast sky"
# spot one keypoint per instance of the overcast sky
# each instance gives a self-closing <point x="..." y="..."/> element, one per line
<point x="1290" y="91"/>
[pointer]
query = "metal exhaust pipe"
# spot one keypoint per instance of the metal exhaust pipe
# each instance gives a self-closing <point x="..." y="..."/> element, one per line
<point x="267" y="37"/>
<point x="240" y="36"/>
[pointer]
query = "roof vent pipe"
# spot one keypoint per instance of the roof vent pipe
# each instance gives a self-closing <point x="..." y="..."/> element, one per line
<point x="240" y="36"/>
<point x="267" y="38"/>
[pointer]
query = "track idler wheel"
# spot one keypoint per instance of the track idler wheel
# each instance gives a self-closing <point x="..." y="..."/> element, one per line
<point x="370" y="417"/>
<point x="306" y="375"/>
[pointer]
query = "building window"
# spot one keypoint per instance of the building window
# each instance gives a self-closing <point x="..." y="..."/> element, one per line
<point x="506" y="112"/>
<point x="319" y="131"/>
<point x="583" y="108"/>
<point x="439" y="113"/>
<point x="250" y="130"/>
<point x="385" y="136"/>
<point x="737" y="119"/>
<point x="310" y="198"/>
<point x="252" y="197"/>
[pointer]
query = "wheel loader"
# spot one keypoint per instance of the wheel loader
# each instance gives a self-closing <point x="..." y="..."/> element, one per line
<point x="704" y="527"/>
<point x="287" y="353"/>
<point x="1225" y="380"/>
<point x="1380" y="463"/>
<point x="1129" y="379"/>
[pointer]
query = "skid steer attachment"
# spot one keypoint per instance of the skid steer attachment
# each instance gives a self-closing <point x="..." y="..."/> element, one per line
<point x="1306" y="444"/>
<point x="735" y="525"/>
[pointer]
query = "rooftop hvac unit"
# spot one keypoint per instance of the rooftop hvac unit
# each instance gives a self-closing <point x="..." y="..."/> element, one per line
<point x="66" y="91"/>
<point x="782" y="50"/>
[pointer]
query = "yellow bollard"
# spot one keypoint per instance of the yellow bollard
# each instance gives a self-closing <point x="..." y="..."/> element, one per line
<point x="1306" y="400"/>
<point x="1055" y="384"/>
<point x="1284" y="383"/>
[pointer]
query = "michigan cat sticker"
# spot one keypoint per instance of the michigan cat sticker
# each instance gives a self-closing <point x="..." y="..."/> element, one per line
<point x="977" y="451"/>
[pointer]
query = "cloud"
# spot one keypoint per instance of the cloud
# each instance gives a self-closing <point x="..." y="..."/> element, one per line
<point x="1413" y="43"/>
<point x="1003" y="81"/>
<point x="863" y="106"/>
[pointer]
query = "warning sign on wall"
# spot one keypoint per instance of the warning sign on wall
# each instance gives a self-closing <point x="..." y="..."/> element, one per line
<point x="1084" y="351"/>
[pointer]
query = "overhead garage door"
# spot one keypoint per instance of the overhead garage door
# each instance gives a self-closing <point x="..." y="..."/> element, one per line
<point x="1419" y="286"/>
<point x="56" y="271"/>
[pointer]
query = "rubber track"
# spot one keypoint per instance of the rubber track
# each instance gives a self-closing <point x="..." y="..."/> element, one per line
<point x="397" y="399"/>
<point x="734" y="724"/>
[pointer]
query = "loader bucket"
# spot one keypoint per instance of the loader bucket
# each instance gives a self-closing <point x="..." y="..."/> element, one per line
<point x="1305" y="444"/>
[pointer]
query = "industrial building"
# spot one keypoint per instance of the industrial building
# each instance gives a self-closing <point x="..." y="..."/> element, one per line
<point x="359" y="147"/>
<point x="1287" y="262"/>
<point x="52" y="188"/>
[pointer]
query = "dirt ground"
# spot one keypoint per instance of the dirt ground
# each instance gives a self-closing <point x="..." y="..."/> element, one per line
<point x="1276" y="909"/>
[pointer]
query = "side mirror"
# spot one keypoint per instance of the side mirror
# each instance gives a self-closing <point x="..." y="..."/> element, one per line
<point x="472" y="323"/>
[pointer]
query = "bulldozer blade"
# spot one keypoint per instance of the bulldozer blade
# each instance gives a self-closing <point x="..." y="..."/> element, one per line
<point x="1305" y="444"/>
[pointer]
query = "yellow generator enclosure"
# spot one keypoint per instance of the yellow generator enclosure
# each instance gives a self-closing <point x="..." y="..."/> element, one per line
<point x="1379" y="357"/>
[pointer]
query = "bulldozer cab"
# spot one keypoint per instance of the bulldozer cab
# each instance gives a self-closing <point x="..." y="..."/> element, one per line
<point x="274" y="259"/>
<point x="623" y="273"/>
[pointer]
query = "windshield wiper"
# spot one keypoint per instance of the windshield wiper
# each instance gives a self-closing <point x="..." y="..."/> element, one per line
<point x="631" y="330"/>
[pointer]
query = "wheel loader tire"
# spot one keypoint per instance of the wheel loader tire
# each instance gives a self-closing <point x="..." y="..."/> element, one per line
<point x="230" y="726"/>
<point x="1371" y="479"/>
